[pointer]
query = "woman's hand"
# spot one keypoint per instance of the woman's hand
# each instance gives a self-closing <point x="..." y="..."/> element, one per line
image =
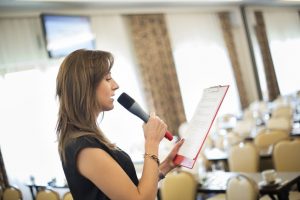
<point x="168" y="164"/>
<point x="154" y="129"/>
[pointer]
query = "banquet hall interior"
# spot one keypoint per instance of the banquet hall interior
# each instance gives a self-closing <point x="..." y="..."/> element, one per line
<point x="167" y="54"/>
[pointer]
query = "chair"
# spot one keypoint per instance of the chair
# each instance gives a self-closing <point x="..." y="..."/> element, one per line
<point x="241" y="186"/>
<point x="47" y="194"/>
<point x="179" y="185"/>
<point x="12" y="193"/>
<point x="226" y="122"/>
<point x="243" y="158"/>
<point x="259" y="106"/>
<point x="244" y="127"/>
<point x="283" y="111"/>
<point x="279" y="123"/>
<point x="281" y="101"/>
<point x="67" y="196"/>
<point x="231" y="139"/>
<point x="286" y="156"/>
<point x="267" y="138"/>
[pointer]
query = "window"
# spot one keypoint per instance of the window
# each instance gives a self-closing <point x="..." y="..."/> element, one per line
<point x="201" y="59"/>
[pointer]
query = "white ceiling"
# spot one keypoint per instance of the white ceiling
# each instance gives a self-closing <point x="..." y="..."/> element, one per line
<point x="24" y="5"/>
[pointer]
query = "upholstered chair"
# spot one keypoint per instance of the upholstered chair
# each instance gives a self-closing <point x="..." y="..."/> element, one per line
<point x="179" y="185"/>
<point x="286" y="155"/>
<point x="47" y="194"/>
<point x="243" y="157"/>
<point x="12" y="193"/>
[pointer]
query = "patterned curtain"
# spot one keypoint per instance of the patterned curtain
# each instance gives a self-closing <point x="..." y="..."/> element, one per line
<point x="231" y="49"/>
<point x="3" y="176"/>
<point x="153" y="50"/>
<point x="261" y="34"/>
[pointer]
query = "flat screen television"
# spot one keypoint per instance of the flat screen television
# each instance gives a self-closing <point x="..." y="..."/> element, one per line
<point x="66" y="33"/>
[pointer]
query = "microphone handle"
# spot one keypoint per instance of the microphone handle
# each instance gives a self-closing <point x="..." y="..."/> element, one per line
<point x="138" y="111"/>
<point x="169" y="136"/>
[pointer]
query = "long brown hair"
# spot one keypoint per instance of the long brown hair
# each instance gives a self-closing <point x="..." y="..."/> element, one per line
<point x="76" y="83"/>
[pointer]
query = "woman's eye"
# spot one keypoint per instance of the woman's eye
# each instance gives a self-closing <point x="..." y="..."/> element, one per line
<point x="108" y="77"/>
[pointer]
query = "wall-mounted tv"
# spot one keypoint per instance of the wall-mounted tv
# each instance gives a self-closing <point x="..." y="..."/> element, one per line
<point x="65" y="33"/>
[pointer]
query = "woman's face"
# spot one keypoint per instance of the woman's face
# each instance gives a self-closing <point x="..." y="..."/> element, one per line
<point x="105" y="92"/>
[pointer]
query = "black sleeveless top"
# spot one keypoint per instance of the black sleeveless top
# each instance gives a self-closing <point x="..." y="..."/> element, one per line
<point x="82" y="188"/>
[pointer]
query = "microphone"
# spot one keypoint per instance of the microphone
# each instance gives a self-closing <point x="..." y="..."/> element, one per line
<point x="132" y="106"/>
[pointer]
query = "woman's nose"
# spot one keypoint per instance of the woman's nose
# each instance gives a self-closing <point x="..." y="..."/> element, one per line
<point x="115" y="86"/>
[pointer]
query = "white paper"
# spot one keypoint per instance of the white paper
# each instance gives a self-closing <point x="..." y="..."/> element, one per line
<point x="201" y="121"/>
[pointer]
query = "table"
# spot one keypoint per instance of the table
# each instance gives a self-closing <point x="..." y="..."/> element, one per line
<point x="215" y="182"/>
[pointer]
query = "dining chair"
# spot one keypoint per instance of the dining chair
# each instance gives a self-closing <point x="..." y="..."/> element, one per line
<point x="244" y="127"/>
<point x="226" y="122"/>
<point x="231" y="139"/>
<point x="286" y="158"/>
<point x="282" y="111"/>
<point x="243" y="187"/>
<point x="286" y="155"/>
<point x="243" y="157"/>
<point x="12" y="193"/>
<point x="281" y="101"/>
<point x="240" y="187"/>
<point x="247" y="114"/>
<point x="266" y="138"/>
<point x="279" y="123"/>
<point x="47" y="194"/>
<point x="179" y="185"/>
<point x="67" y="196"/>
<point x="260" y="106"/>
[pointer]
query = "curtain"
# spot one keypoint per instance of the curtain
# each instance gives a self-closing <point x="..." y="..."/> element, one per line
<point x="3" y="175"/>
<point x="153" y="50"/>
<point x="260" y="30"/>
<point x="224" y="18"/>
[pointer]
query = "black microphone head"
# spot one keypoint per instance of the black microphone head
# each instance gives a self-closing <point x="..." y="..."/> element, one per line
<point x="125" y="100"/>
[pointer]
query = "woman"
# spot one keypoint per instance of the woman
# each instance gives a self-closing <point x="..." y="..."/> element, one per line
<point x="94" y="167"/>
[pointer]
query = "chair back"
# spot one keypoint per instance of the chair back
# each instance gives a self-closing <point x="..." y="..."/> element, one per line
<point x="241" y="187"/>
<point x="12" y="193"/>
<point x="244" y="127"/>
<point x="243" y="157"/>
<point x="286" y="156"/>
<point x="67" y="196"/>
<point x="226" y="122"/>
<point x="279" y="123"/>
<point x="283" y="111"/>
<point x="178" y="186"/>
<point x="267" y="137"/>
<point x="47" y="194"/>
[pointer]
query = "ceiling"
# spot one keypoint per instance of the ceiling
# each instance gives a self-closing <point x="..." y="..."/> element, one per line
<point x="24" y="5"/>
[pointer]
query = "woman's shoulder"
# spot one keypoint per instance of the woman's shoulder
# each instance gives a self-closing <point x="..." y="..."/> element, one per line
<point x="84" y="141"/>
